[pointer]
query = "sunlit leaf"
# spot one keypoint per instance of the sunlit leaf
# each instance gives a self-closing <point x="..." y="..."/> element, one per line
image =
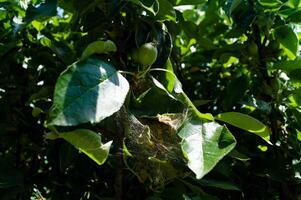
<point x="87" y="142"/>
<point x="87" y="91"/>
<point x="166" y="11"/>
<point x="298" y="135"/>
<point x="204" y="144"/>
<point x="288" y="39"/>
<point x="293" y="3"/>
<point x="289" y="65"/>
<point x="262" y="148"/>
<point x="37" y="25"/>
<point x="245" y="122"/>
<point x="239" y="156"/>
<point x="99" y="47"/>
<point x="234" y="4"/>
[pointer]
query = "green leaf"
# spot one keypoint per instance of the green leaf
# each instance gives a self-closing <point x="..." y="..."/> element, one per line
<point x="234" y="4"/>
<point x="204" y="144"/>
<point x="178" y="94"/>
<point x="5" y="48"/>
<point x="187" y="2"/>
<point x="154" y="100"/>
<point x="166" y="11"/>
<point x="295" y="17"/>
<point x="47" y="9"/>
<point x="297" y="115"/>
<point x="87" y="91"/>
<point x="239" y="156"/>
<point x="99" y="47"/>
<point x="289" y="65"/>
<point x="192" y="15"/>
<point x="36" y="111"/>
<point x="288" y="39"/>
<point x="89" y="143"/>
<point x="38" y="25"/>
<point x="293" y="3"/>
<point x="295" y="98"/>
<point x="295" y="77"/>
<point x="149" y="5"/>
<point x="298" y="135"/>
<point x="187" y="102"/>
<point x="225" y="185"/>
<point x="245" y="122"/>
<point x="270" y="3"/>
<point x="169" y="79"/>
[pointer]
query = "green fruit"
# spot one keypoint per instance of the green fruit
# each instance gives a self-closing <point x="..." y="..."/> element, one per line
<point x="145" y="55"/>
<point x="275" y="84"/>
<point x="253" y="49"/>
<point x="36" y="111"/>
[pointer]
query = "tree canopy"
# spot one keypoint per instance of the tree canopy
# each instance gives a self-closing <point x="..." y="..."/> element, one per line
<point x="150" y="99"/>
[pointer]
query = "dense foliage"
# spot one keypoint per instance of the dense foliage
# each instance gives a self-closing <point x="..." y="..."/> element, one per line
<point x="150" y="99"/>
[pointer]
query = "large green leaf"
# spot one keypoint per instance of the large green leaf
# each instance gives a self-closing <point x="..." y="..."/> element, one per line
<point x="175" y="91"/>
<point x="289" y="65"/>
<point x="87" y="91"/>
<point x="204" y="144"/>
<point x="246" y="122"/>
<point x="87" y="142"/>
<point x="294" y="16"/>
<point x="46" y="9"/>
<point x="166" y="11"/>
<point x="295" y="98"/>
<point x="234" y="4"/>
<point x="154" y="100"/>
<point x="169" y="79"/>
<point x="293" y="3"/>
<point x="99" y="47"/>
<point x="288" y="40"/>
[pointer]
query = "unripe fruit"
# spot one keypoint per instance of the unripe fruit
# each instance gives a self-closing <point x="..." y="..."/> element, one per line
<point x="145" y="55"/>
<point x="253" y="49"/>
<point x="36" y="111"/>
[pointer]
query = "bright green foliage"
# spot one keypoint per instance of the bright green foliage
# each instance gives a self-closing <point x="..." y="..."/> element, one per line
<point x="204" y="144"/>
<point x="69" y="68"/>
<point x="288" y="39"/>
<point x="87" y="91"/>
<point x="99" y="47"/>
<point x="87" y="142"/>
<point x="245" y="122"/>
